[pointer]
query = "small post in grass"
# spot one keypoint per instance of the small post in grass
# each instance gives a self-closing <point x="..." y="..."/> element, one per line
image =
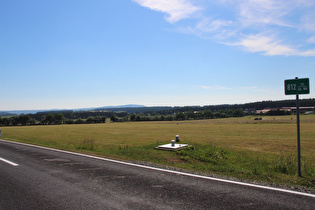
<point x="177" y="138"/>
<point x="295" y="87"/>
<point x="173" y="143"/>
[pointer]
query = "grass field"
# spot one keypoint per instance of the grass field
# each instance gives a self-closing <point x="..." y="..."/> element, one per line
<point x="263" y="150"/>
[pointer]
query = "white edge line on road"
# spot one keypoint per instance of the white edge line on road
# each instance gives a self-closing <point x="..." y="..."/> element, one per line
<point x="8" y="162"/>
<point x="170" y="171"/>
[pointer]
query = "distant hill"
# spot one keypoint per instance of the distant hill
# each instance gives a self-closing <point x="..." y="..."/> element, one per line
<point x="121" y="106"/>
<point x="6" y="114"/>
<point x="131" y="108"/>
<point x="134" y="108"/>
<point x="18" y="112"/>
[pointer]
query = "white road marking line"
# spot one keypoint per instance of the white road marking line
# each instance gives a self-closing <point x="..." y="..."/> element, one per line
<point x="8" y="162"/>
<point x="170" y="171"/>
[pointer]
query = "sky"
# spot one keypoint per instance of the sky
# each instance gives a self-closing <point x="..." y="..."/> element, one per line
<point x="67" y="54"/>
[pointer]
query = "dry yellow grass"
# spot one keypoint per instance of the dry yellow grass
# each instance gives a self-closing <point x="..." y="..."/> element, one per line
<point x="270" y="135"/>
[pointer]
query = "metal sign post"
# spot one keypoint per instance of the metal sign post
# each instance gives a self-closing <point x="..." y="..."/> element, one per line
<point x="298" y="134"/>
<point x="295" y="87"/>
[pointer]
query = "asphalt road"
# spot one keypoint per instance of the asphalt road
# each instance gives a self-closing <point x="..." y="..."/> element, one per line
<point x="48" y="179"/>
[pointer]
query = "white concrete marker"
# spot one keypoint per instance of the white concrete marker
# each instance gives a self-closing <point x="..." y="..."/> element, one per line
<point x="171" y="146"/>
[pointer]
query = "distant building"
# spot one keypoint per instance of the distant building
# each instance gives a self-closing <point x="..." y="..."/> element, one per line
<point x="302" y="109"/>
<point x="263" y="111"/>
<point x="309" y="109"/>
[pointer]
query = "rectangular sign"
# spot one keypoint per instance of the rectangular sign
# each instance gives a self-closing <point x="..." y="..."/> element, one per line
<point x="297" y="86"/>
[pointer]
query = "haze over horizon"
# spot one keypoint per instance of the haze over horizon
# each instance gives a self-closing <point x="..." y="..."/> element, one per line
<point x="75" y="54"/>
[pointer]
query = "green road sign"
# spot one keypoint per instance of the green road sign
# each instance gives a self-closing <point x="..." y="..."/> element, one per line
<point x="297" y="86"/>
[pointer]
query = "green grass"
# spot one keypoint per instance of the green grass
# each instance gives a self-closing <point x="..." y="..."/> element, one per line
<point x="238" y="147"/>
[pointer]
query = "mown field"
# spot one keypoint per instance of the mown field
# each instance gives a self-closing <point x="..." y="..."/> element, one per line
<point x="257" y="150"/>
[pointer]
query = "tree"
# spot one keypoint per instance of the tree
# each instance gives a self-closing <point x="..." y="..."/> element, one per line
<point x="190" y="114"/>
<point x="114" y="118"/>
<point x="15" y="120"/>
<point x="90" y="120"/>
<point x="69" y="121"/>
<point x="58" y="118"/>
<point x="132" y="117"/>
<point x="79" y="121"/>
<point x="238" y="113"/>
<point x="208" y="114"/>
<point x="24" y="119"/>
<point x="48" y="119"/>
<point x="169" y="118"/>
<point x="180" y="116"/>
<point x="6" y="121"/>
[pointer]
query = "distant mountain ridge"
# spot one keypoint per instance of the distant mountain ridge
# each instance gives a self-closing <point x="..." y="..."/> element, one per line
<point x="134" y="108"/>
<point x="18" y="112"/>
<point x="6" y="114"/>
<point x="123" y="106"/>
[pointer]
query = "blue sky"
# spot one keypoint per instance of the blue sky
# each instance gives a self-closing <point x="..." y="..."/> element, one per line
<point x="68" y="54"/>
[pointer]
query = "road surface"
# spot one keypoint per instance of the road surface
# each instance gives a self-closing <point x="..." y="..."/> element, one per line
<point x="38" y="178"/>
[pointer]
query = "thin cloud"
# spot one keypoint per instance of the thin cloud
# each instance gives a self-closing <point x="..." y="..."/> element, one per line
<point x="176" y="9"/>
<point x="255" y="89"/>
<point x="214" y="87"/>
<point x="264" y="44"/>
<point x="262" y="12"/>
<point x="308" y="22"/>
<point x="240" y="89"/>
<point x="243" y="23"/>
<point x="208" y="25"/>
<point x="270" y="46"/>
<point x="311" y="39"/>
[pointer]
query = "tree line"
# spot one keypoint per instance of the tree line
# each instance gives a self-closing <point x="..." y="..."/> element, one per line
<point x="49" y="119"/>
<point x="100" y="117"/>
<point x="148" y="113"/>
